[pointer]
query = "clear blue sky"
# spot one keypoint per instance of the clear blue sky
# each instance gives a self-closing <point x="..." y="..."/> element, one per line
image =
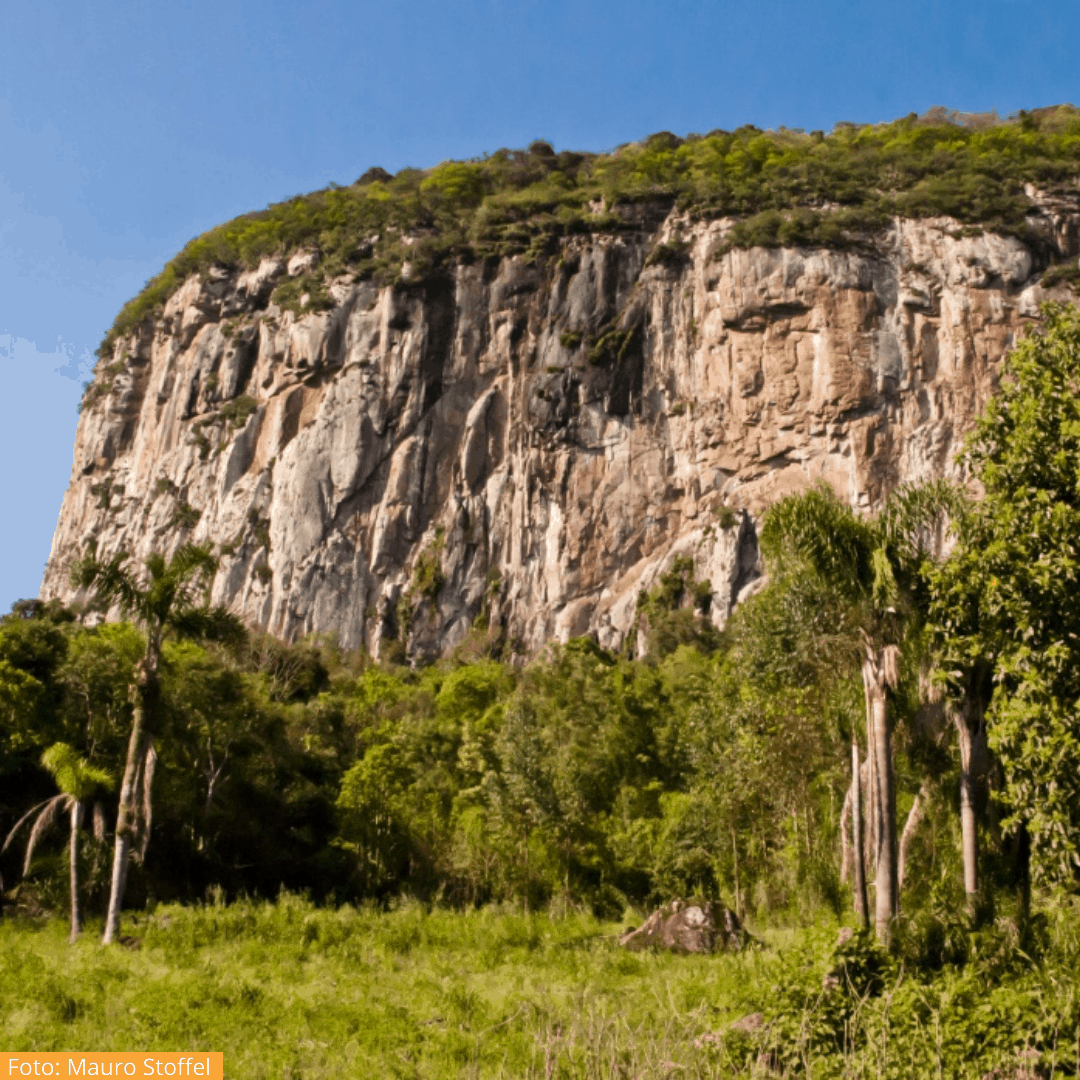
<point x="127" y="128"/>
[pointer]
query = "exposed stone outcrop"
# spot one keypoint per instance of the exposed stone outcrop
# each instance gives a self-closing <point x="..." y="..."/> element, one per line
<point x="687" y="928"/>
<point x="535" y="444"/>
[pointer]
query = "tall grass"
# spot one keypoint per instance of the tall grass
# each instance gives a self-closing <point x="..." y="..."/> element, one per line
<point x="289" y="990"/>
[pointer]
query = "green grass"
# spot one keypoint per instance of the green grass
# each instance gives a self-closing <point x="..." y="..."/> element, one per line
<point x="288" y="990"/>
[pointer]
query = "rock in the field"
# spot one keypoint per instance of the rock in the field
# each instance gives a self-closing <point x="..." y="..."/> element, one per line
<point x="687" y="928"/>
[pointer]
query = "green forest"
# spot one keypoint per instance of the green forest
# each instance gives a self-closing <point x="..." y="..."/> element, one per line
<point x="931" y="649"/>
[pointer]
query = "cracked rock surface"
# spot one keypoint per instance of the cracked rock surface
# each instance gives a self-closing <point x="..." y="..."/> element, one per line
<point x="536" y="444"/>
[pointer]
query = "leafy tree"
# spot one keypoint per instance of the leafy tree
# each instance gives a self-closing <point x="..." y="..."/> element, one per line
<point x="164" y="600"/>
<point x="20" y="694"/>
<point x="95" y="677"/>
<point x="33" y="645"/>
<point x="78" y="781"/>
<point x="209" y="725"/>
<point x="675" y="611"/>
<point x="375" y="817"/>
<point x="522" y="786"/>
<point x="1007" y="596"/>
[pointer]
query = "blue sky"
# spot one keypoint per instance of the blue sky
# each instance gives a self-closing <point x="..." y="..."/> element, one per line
<point x="126" y="128"/>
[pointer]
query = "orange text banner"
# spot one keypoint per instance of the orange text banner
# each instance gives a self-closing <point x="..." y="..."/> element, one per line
<point x="149" y="1063"/>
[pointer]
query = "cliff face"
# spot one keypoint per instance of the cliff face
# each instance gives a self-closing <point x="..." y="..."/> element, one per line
<point x="535" y="444"/>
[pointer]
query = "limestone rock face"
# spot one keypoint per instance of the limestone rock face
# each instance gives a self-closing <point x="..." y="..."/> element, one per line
<point x="533" y="445"/>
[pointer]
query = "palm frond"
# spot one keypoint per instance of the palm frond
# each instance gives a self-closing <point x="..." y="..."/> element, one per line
<point x="73" y="775"/>
<point x="209" y="624"/>
<point x="156" y="565"/>
<point x="917" y="517"/>
<point x="179" y="584"/>
<point x="84" y="571"/>
<point x="885" y="591"/>
<point x="816" y="530"/>
<point x="42" y="825"/>
<point x="192" y="560"/>
<point x="21" y="822"/>
<point x="110" y="581"/>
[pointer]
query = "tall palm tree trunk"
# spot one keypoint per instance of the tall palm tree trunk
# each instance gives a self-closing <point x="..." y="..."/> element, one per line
<point x="76" y="824"/>
<point x="846" y="860"/>
<point x="878" y="672"/>
<point x="861" y="906"/>
<point x="873" y="804"/>
<point x="145" y="702"/>
<point x="972" y="740"/>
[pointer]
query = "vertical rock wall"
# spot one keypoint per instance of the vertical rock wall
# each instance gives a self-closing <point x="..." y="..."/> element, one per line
<point x="530" y="446"/>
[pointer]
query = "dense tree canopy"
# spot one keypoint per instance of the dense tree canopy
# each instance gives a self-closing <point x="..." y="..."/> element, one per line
<point x="1007" y="598"/>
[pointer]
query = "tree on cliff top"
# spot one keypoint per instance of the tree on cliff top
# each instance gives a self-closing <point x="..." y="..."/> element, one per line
<point x="167" y="600"/>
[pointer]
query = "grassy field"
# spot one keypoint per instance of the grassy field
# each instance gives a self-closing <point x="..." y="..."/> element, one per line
<point x="288" y="990"/>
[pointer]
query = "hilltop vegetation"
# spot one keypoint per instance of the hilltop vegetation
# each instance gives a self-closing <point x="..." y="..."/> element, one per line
<point x="784" y="186"/>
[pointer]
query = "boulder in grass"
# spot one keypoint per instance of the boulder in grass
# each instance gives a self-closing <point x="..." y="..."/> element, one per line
<point x="687" y="928"/>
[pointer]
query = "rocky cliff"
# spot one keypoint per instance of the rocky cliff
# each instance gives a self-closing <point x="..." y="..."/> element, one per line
<point x="528" y="445"/>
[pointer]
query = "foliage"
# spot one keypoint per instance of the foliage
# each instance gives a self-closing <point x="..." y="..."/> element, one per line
<point x="74" y="776"/>
<point x="185" y="516"/>
<point x="1006" y="598"/>
<point x="784" y="186"/>
<point x="236" y="412"/>
<point x="676" y="611"/>
<point x="583" y="778"/>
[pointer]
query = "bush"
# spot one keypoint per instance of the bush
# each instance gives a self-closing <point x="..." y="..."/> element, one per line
<point x="236" y="412"/>
<point x="185" y="516"/>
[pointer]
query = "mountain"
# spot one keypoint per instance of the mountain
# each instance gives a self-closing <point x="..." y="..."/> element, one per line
<point x="503" y="397"/>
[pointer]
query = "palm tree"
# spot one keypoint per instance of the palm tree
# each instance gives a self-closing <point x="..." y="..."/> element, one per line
<point x="78" y="781"/>
<point x="167" y="599"/>
<point x="872" y="569"/>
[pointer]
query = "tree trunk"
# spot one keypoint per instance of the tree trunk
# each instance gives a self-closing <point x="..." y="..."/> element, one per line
<point x="878" y="669"/>
<point x="861" y="906"/>
<point x="972" y="739"/>
<point x="145" y="708"/>
<point x="845" y="838"/>
<point x="735" y="862"/>
<point x="1023" y="879"/>
<point x="76" y="824"/>
<point x="872" y="833"/>
<point x="914" y="818"/>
